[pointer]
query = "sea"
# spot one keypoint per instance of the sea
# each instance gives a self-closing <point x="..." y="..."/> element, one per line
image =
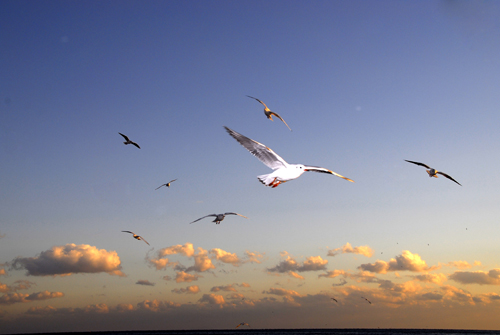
<point x="301" y="332"/>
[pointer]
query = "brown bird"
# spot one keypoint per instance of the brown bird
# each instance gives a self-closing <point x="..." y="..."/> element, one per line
<point x="269" y="113"/>
<point x="367" y="300"/>
<point x="433" y="172"/>
<point x="137" y="237"/>
<point x="127" y="141"/>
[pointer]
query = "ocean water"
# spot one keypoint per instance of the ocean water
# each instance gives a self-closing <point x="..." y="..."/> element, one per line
<point x="247" y="331"/>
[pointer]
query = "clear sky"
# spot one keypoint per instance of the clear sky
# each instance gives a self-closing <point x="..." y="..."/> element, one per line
<point x="364" y="85"/>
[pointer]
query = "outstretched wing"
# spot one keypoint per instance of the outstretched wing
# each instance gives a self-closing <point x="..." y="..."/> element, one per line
<point x="124" y="136"/>
<point x="203" y="217"/>
<point x="323" y="170"/>
<point x="259" y="150"/>
<point x="279" y="117"/>
<point x="142" y="238"/>
<point x="160" y="186"/>
<point x="127" y="231"/>
<point x="421" y="164"/>
<point x="133" y="143"/>
<point x="231" y="213"/>
<point x="259" y="101"/>
<point x="449" y="177"/>
<point x="171" y="181"/>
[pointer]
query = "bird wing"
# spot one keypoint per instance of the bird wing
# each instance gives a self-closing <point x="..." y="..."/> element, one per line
<point x="323" y="170"/>
<point x="127" y="231"/>
<point x="203" y="217"/>
<point x="137" y="145"/>
<point x="421" y="164"/>
<point x="279" y="117"/>
<point x="259" y="150"/>
<point x="171" y="181"/>
<point x="231" y="213"/>
<point x="124" y="136"/>
<point x="258" y="101"/>
<point x="160" y="186"/>
<point x="449" y="177"/>
<point x="142" y="238"/>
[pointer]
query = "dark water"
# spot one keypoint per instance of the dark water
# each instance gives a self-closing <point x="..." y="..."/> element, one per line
<point x="304" y="332"/>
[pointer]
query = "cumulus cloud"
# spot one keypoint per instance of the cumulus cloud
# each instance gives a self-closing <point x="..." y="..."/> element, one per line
<point x="3" y="272"/>
<point x="12" y="298"/>
<point x="145" y="282"/>
<point x="226" y="288"/>
<point x="291" y="266"/>
<point x="212" y="299"/>
<point x="123" y="307"/>
<point x="157" y="306"/>
<point x="183" y="277"/>
<point x="254" y="257"/>
<point x="431" y="278"/>
<point x="281" y="292"/>
<point x="491" y="277"/>
<point x="404" y="262"/>
<point x="225" y="257"/>
<point x="18" y="285"/>
<point x="190" y="290"/>
<point x="348" y="249"/>
<point x="70" y="259"/>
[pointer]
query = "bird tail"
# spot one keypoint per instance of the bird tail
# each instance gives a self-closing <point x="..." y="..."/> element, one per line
<point x="266" y="179"/>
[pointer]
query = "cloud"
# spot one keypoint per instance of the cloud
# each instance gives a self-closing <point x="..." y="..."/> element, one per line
<point x="157" y="306"/>
<point x="281" y="292"/>
<point x="3" y="272"/>
<point x="145" y="282"/>
<point x="212" y="299"/>
<point x="225" y="257"/>
<point x="405" y="262"/>
<point x="19" y="285"/>
<point x="462" y="264"/>
<point x="12" y="298"/>
<point x="190" y="289"/>
<point x="290" y="265"/>
<point x="431" y="278"/>
<point x="70" y="259"/>
<point x="348" y="249"/>
<point x="491" y="277"/>
<point x="226" y="288"/>
<point x="183" y="277"/>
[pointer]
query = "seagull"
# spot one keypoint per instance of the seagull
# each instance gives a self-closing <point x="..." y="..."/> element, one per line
<point x="433" y="172"/>
<point x="283" y="171"/>
<point x="167" y="184"/>
<point x="137" y="237"/>
<point x="127" y="141"/>
<point x="243" y="324"/>
<point x="269" y="113"/>
<point x="367" y="300"/>
<point x="219" y="217"/>
<point x="334" y="300"/>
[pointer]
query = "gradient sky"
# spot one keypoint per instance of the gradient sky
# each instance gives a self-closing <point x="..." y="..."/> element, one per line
<point x="364" y="85"/>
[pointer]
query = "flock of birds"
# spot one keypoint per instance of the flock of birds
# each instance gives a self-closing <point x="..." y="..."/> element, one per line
<point x="283" y="171"/>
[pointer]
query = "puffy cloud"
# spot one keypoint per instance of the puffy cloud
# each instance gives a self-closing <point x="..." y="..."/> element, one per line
<point x="457" y="294"/>
<point x="491" y="277"/>
<point x="190" y="289"/>
<point x="201" y="262"/>
<point x="97" y="308"/>
<point x="226" y="288"/>
<point x="254" y="257"/>
<point x="405" y="262"/>
<point x="3" y="272"/>
<point x="281" y="292"/>
<point x="348" y="249"/>
<point x="362" y="276"/>
<point x="225" y="257"/>
<point x="183" y="277"/>
<point x="212" y="299"/>
<point x="186" y="250"/>
<point x="12" y="298"/>
<point x="123" y="307"/>
<point x="431" y="278"/>
<point x="244" y="285"/>
<point x="69" y="259"/>
<point x="157" y="306"/>
<point x="145" y="282"/>
<point x="313" y="263"/>
<point x="296" y="275"/>
<point x="19" y="285"/>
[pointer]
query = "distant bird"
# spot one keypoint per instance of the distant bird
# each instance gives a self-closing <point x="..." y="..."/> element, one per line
<point x="269" y="113"/>
<point x="243" y="324"/>
<point x="137" y="237"/>
<point x="433" y="172"/>
<point x="167" y="184"/>
<point x="334" y="300"/>
<point x="219" y="217"/>
<point x="367" y="300"/>
<point x="127" y="141"/>
<point x="283" y="171"/>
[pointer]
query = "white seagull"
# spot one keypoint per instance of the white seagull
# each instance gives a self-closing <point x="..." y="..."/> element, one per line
<point x="219" y="217"/>
<point x="433" y="172"/>
<point x="167" y="184"/>
<point x="137" y="237"/>
<point x="283" y="171"/>
<point x="127" y="141"/>
<point x="269" y="113"/>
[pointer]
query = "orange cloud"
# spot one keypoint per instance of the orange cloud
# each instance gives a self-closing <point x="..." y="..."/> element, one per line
<point x="281" y="292"/>
<point x="186" y="277"/>
<point x="405" y="262"/>
<point x="348" y="249"/>
<point x="212" y="299"/>
<point x="190" y="290"/>
<point x="431" y="278"/>
<point x="313" y="263"/>
<point x="491" y="277"/>
<point x="12" y="298"/>
<point x="157" y="306"/>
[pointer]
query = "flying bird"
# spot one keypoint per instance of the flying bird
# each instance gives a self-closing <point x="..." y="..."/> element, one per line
<point x="167" y="184"/>
<point x="433" y="172"/>
<point x="243" y="324"/>
<point x="334" y="300"/>
<point x="283" y="171"/>
<point x="137" y="237"/>
<point x="367" y="300"/>
<point x="127" y="141"/>
<point x="269" y="113"/>
<point x="219" y="217"/>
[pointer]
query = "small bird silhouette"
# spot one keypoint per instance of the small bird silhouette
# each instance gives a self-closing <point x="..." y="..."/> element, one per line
<point x="167" y="184"/>
<point x="269" y="113"/>
<point x="242" y="324"/>
<point x="137" y="237"/>
<point x="127" y="141"/>
<point x="433" y="172"/>
<point x="219" y="217"/>
<point x="367" y="300"/>
<point x="334" y="300"/>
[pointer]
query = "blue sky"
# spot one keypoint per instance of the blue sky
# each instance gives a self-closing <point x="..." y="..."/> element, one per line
<point x="363" y="85"/>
